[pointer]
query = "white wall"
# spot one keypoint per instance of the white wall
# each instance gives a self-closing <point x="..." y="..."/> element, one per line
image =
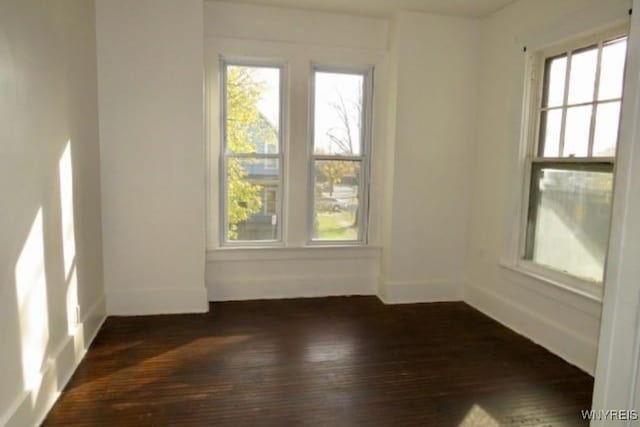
<point x="297" y="26"/>
<point x="431" y="139"/>
<point x="297" y="39"/>
<point x="291" y="273"/>
<point x="51" y="288"/>
<point x="150" y="61"/>
<point x="563" y="321"/>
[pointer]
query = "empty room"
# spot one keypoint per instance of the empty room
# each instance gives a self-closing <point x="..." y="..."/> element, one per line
<point x="319" y="212"/>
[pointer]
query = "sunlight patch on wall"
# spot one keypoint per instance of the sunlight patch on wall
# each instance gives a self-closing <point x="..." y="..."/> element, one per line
<point x="66" y="204"/>
<point x="31" y="287"/>
<point x="65" y="170"/>
<point x="72" y="302"/>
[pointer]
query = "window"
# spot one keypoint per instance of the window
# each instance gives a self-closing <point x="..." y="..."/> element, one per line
<point x="577" y="114"/>
<point x="339" y="158"/>
<point x="252" y="178"/>
<point x="253" y="197"/>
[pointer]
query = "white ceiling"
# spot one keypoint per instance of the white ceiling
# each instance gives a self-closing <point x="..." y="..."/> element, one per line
<point x="384" y="8"/>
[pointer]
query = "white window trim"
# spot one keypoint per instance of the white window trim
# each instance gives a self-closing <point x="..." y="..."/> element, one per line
<point x="364" y="158"/>
<point x="222" y="155"/>
<point x="297" y="60"/>
<point x="529" y="143"/>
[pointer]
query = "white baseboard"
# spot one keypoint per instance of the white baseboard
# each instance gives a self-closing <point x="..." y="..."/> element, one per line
<point x="417" y="291"/>
<point x="570" y="346"/>
<point x="141" y="302"/>
<point x="290" y="287"/>
<point x="31" y="407"/>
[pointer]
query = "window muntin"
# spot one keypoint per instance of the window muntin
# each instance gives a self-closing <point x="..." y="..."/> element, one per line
<point x="572" y="171"/>
<point x="251" y="153"/>
<point x="339" y="161"/>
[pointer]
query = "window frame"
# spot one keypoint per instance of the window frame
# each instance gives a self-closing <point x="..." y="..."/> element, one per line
<point x="533" y="157"/>
<point x="364" y="158"/>
<point x="225" y="62"/>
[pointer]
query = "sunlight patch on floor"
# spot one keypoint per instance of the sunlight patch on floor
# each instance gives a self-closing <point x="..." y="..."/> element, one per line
<point x="478" y="417"/>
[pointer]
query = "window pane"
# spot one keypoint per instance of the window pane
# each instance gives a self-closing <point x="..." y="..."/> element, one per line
<point x="338" y="113"/>
<point x="569" y="220"/>
<point x="612" y="69"/>
<point x="606" y="133"/>
<point x="550" y="123"/>
<point x="253" y="189"/>
<point x="269" y="201"/>
<point x="577" y="129"/>
<point x="252" y="109"/>
<point x="336" y="203"/>
<point x="583" y="75"/>
<point x="554" y="79"/>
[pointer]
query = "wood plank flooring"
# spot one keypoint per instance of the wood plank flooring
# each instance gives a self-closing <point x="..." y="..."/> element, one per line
<point x="320" y="362"/>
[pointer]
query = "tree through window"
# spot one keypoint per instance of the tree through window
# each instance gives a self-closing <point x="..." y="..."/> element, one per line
<point x="339" y="161"/>
<point x="252" y="155"/>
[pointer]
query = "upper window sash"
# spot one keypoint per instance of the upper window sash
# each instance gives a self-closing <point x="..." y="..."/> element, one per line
<point x="351" y="140"/>
<point x="277" y="116"/>
<point x="579" y="107"/>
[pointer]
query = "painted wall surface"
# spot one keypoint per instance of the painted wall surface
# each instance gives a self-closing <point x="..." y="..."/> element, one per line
<point x="292" y="273"/>
<point x="150" y="61"/>
<point x="559" y="319"/>
<point x="51" y="287"/>
<point x="431" y="139"/>
<point x="294" y="26"/>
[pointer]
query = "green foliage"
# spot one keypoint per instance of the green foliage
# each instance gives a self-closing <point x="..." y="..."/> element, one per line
<point x="245" y="125"/>
<point x="336" y="226"/>
<point x="333" y="172"/>
<point x="243" y="197"/>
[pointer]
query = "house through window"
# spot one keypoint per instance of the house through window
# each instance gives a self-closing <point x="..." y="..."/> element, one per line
<point x="252" y="153"/>
<point x="252" y="158"/>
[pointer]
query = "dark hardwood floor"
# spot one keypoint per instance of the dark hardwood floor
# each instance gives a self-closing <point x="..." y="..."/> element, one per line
<point x="328" y="361"/>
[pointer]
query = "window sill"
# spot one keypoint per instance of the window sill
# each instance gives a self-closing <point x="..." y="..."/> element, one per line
<point x="280" y="253"/>
<point x="585" y="289"/>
